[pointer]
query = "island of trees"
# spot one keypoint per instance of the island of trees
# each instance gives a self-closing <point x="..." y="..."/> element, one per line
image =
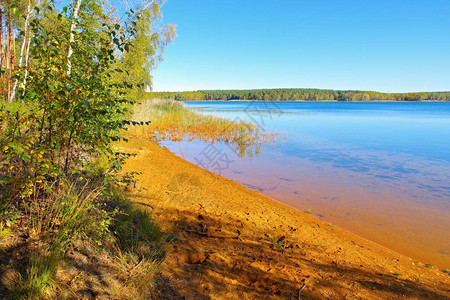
<point x="301" y="95"/>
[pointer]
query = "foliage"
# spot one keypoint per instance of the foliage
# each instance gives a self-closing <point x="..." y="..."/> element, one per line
<point x="58" y="169"/>
<point x="72" y="117"/>
<point x="300" y="95"/>
<point x="146" y="49"/>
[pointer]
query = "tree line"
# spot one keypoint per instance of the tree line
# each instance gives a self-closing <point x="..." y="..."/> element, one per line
<point x="300" y="95"/>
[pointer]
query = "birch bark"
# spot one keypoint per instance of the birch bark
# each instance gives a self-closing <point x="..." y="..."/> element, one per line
<point x="72" y="36"/>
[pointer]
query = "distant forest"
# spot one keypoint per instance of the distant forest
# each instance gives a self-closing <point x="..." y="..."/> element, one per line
<point x="301" y="94"/>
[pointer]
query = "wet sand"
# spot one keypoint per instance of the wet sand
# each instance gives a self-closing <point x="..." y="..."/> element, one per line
<point x="228" y="241"/>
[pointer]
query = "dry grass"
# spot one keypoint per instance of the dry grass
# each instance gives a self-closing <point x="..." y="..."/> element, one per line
<point x="171" y="120"/>
<point x="76" y="243"/>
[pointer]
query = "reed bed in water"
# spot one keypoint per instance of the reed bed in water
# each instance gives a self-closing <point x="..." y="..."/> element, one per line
<point x="172" y="120"/>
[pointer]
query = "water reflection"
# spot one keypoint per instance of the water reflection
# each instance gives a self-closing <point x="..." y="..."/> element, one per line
<point x="380" y="170"/>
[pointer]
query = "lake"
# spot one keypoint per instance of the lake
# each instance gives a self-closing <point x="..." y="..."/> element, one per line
<point x="379" y="170"/>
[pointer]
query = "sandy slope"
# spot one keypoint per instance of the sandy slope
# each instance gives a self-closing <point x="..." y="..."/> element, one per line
<point x="230" y="242"/>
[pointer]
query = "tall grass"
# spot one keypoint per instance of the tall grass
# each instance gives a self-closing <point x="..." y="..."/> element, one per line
<point x="39" y="281"/>
<point x="126" y="237"/>
<point x="171" y="120"/>
<point x="53" y="224"/>
<point x="140" y="252"/>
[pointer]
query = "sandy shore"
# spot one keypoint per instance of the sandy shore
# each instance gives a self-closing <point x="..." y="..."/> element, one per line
<point x="230" y="242"/>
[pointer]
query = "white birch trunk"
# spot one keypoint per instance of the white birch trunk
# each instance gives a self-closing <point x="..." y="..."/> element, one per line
<point x="2" y="45"/>
<point x="22" y="50"/>
<point x="27" y="54"/>
<point x="72" y="37"/>
<point x="9" y="51"/>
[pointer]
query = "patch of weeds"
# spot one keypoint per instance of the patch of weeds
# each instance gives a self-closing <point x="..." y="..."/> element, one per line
<point x="329" y="224"/>
<point x="428" y="265"/>
<point x="447" y="271"/>
<point x="39" y="280"/>
<point x="7" y="219"/>
<point x="395" y="273"/>
<point x="308" y="211"/>
<point x="140" y="249"/>
<point x="136" y="232"/>
<point x="66" y="215"/>
<point x="321" y="216"/>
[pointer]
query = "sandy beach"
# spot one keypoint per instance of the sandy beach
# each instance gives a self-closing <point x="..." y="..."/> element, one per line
<point x="227" y="242"/>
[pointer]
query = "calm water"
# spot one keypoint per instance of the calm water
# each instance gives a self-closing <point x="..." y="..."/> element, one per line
<point x="380" y="170"/>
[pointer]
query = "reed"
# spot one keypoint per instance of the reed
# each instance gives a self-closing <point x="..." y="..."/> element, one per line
<point x="172" y="120"/>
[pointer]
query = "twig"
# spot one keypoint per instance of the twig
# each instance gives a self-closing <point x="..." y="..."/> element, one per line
<point x="132" y="270"/>
<point x="303" y="286"/>
<point x="210" y="235"/>
<point x="78" y="264"/>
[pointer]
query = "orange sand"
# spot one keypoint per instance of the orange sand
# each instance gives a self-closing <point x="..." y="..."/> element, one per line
<point x="230" y="242"/>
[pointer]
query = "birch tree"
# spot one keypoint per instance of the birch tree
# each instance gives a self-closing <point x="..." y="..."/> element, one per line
<point x="147" y="47"/>
<point x="22" y="48"/>
<point x="10" y="56"/>
<point x="76" y="8"/>
<point x="27" y="55"/>
<point x="2" y="44"/>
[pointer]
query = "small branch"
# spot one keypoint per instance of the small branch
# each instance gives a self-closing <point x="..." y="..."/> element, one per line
<point x="78" y="264"/>
<point x="303" y="286"/>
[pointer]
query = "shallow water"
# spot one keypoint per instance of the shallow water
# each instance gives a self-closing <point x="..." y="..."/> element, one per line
<point x="380" y="170"/>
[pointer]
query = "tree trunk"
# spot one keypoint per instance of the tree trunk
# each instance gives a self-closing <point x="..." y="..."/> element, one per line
<point x="22" y="50"/>
<point x="2" y="52"/>
<point x="72" y="37"/>
<point x="12" y="41"/>
<point x="9" y="50"/>
<point x="27" y="54"/>
<point x="2" y="44"/>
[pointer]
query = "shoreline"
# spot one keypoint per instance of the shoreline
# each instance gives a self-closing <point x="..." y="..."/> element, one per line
<point x="324" y="101"/>
<point x="221" y="225"/>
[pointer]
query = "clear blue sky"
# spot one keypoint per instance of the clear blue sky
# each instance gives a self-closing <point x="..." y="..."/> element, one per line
<point x="383" y="45"/>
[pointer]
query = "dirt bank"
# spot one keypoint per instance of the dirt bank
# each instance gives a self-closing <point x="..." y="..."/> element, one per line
<point x="229" y="242"/>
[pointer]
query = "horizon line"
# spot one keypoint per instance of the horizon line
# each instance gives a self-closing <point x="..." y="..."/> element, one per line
<point x="322" y="89"/>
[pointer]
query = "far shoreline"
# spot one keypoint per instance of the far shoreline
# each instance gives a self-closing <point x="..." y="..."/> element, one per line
<point x="321" y="101"/>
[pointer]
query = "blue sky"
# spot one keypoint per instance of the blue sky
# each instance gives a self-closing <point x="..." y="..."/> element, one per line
<point x="383" y="45"/>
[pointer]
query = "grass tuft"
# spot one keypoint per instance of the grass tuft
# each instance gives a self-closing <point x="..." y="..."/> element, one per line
<point x="39" y="280"/>
<point x="137" y="233"/>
